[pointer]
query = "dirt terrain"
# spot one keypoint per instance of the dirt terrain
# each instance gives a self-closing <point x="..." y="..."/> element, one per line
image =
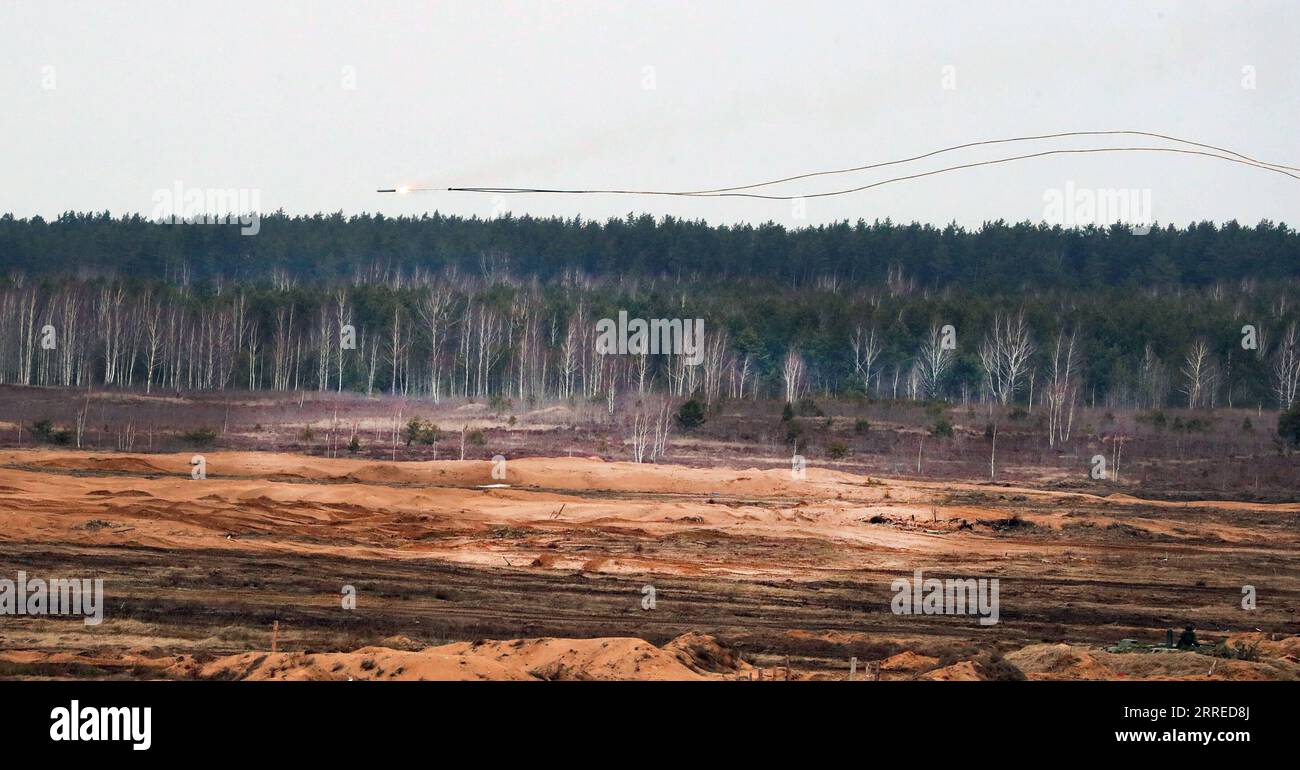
<point x="788" y="578"/>
<point x="774" y="567"/>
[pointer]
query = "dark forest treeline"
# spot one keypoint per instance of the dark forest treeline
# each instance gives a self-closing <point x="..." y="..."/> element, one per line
<point x="451" y="307"/>
<point x="998" y="256"/>
<point x="470" y="336"/>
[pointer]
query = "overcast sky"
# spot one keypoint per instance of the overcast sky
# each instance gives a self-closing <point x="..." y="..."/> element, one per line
<point x="317" y="104"/>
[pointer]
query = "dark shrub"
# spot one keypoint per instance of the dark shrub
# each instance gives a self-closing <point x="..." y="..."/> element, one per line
<point x="690" y="414"/>
<point x="1288" y="426"/>
<point x="996" y="668"/>
<point x="419" y="431"/>
<point x="200" y="436"/>
<point x="809" y="408"/>
<point x="42" y="430"/>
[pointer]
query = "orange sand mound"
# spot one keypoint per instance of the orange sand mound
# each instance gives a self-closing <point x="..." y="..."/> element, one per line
<point x="758" y="528"/>
<point x="112" y="464"/>
<point x="1059" y="661"/>
<point x="1063" y="661"/>
<point x="958" y="672"/>
<point x="703" y="654"/>
<point x="908" y="661"/>
<point x="692" y="657"/>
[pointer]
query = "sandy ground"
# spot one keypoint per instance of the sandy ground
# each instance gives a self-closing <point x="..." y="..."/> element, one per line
<point x="770" y="567"/>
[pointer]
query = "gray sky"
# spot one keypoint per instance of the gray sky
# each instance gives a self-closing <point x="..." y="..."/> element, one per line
<point x="106" y="103"/>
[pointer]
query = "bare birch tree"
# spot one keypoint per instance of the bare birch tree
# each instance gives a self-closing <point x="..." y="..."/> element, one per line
<point x="932" y="363"/>
<point x="792" y="375"/>
<point x="1198" y="374"/>
<point x="1061" y="389"/>
<point x="866" y="349"/>
<point x="1286" y="368"/>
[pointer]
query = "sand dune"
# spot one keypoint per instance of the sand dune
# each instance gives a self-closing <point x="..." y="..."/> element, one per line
<point x="1072" y="563"/>
<point x="341" y="505"/>
<point x="520" y="660"/>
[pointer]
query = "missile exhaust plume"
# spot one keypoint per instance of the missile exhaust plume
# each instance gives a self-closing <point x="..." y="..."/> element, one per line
<point x="738" y="191"/>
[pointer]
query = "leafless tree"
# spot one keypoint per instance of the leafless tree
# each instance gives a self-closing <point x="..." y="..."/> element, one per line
<point x="662" y="427"/>
<point x="434" y="308"/>
<point x="569" y="354"/>
<point x="1198" y="375"/>
<point x="396" y="348"/>
<point x="642" y="422"/>
<point x="1152" y="380"/>
<point x="1061" y="390"/>
<point x="109" y="310"/>
<point x="370" y="353"/>
<point x="792" y="374"/>
<point x="715" y="358"/>
<point x="933" y="362"/>
<point x="344" y="317"/>
<point x="866" y="349"/>
<point x="1005" y="355"/>
<point x="324" y="346"/>
<point x="282" y="348"/>
<point x="1286" y="368"/>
